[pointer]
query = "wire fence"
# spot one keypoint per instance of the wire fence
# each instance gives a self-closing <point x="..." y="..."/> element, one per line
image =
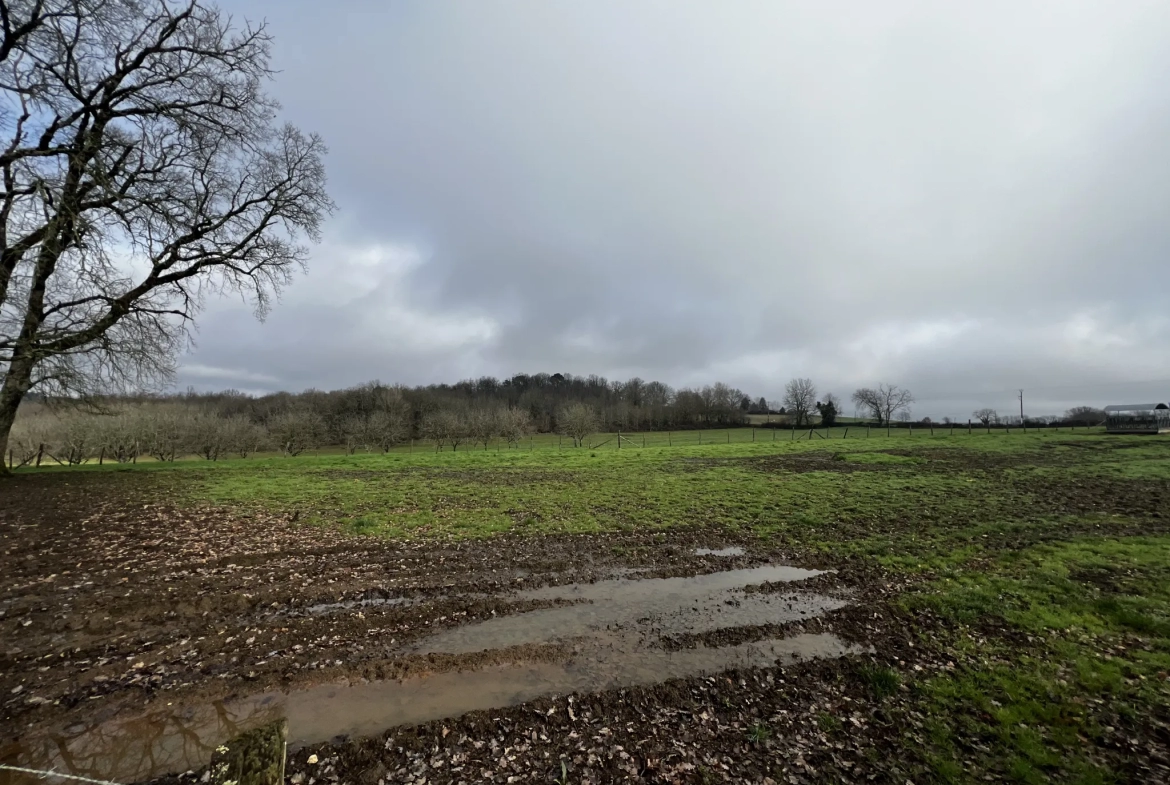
<point x="620" y="440"/>
<point x="747" y="435"/>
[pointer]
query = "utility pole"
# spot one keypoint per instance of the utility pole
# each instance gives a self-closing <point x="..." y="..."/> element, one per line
<point x="1021" y="405"/>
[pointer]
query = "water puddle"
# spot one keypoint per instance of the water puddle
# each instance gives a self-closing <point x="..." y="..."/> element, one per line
<point x="616" y="628"/>
<point x="322" y="608"/>
<point x="626" y="613"/>
<point x="734" y="550"/>
<point x="151" y="745"/>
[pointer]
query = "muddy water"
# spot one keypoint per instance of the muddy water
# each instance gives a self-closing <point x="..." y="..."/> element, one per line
<point x="732" y="551"/>
<point x="627" y="613"/>
<point x="615" y="627"/>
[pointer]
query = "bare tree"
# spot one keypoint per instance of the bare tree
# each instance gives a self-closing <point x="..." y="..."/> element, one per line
<point x="166" y="431"/>
<point x="244" y="437"/>
<point x="210" y="435"/>
<point x="800" y="400"/>
<point x="296" y="431"/>
<point x="354" y="432"/>
<point x="514" y="425"/>
<point x="384" y="429"/>
<point x="30" y="436"/>
<point x="141" y="170"/>
<point x="75" y="439"/>
<point x="120" y="435"/>
<point x="459" y="429"/>
<point x="986" y="416"/>
<point x="578" y="421"/>
<point x="445" y="426"/>
<point x="482" y="425"/>
<point x="866" y="400"/>
<point x="884" y="402"/>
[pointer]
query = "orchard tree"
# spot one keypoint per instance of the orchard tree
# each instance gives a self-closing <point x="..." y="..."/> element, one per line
<point x="514" y="424"/>
<point x="578" y="421"/>
<point x="141" y="169"/>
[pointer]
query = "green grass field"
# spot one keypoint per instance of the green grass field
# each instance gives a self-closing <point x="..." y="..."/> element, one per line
<point x="1043" y="557"/>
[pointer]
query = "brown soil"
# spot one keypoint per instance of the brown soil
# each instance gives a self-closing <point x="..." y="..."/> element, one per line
<point x="112" y="593"/>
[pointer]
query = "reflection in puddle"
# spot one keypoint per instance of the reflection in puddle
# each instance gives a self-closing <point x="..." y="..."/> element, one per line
<point x="135" y="748"/>
<point x="155" y="744"/>
<point x="636" y="612"/>
<point x="734" y="550"/>
<point x="616" y="627"/>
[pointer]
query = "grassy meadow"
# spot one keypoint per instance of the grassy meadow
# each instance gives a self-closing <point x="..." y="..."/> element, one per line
<point x="1043" y="559"/>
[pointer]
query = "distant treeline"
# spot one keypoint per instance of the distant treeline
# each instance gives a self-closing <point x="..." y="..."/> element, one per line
<point x="371" y="416"/>
<point x="377" y="417"/>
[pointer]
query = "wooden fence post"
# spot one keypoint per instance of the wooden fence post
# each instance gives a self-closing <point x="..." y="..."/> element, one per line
<point x="846" y="435"/>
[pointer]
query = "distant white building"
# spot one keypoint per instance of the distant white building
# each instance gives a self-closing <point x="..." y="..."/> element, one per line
<point x="1147" y="418"/>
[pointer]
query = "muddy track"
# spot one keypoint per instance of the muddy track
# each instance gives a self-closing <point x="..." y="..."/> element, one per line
<point x="117" y="603"/>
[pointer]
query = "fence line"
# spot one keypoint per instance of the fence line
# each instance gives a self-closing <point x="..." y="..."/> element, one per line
<point x="686" y="438"/>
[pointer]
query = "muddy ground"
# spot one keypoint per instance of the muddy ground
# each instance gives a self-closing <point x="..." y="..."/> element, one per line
<point x="116" y="603"/>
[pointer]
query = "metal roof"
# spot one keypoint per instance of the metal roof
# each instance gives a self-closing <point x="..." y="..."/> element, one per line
<point x="1135" y="407"/>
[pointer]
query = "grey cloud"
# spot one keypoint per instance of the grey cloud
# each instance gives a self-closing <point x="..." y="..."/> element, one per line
<point x="751" y="191"/>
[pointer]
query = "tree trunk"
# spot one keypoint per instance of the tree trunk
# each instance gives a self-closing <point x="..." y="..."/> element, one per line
<point x="16" y="384"/>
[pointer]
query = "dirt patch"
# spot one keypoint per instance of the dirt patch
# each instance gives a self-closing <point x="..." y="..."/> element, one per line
<point x="117" y="601"/>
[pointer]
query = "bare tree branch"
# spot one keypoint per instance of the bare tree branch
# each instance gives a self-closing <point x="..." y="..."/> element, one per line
<point x="142" y="171"/>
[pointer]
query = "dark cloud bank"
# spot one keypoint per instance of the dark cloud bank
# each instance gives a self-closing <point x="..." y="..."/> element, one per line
<point x="961" y="198"/>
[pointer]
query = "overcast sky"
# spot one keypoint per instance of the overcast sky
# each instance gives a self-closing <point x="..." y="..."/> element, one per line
<point x="963" y="198"/>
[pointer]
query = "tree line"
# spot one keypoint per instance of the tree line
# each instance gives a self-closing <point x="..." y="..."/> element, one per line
<point x="371" y="417"/>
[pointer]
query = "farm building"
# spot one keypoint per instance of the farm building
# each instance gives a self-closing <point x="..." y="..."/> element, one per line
<point x="1138" y="418"/>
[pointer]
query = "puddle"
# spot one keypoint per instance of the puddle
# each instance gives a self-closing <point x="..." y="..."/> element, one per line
<point x="735" y="550"/>
<point x="626" y="613"/>
<point x="155" y="744"/>
<point x="616" y="627"/>
<point x="346" y="605"/>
